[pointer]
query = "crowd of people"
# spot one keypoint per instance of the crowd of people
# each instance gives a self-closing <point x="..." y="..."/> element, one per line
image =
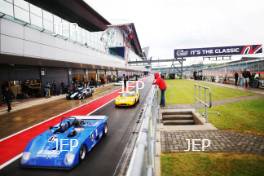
<point x="51" y="88"/>
<point x="246" y="79"/>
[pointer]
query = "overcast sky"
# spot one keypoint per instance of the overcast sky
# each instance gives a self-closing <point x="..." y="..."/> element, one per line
<point x="165" y="25"/>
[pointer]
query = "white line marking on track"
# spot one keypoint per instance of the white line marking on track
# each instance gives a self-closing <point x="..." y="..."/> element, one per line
<point x="10" y="161"/>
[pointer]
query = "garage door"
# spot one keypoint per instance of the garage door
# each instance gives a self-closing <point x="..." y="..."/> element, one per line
<point x="55" y="74"/>
<point x="21" y="73"/>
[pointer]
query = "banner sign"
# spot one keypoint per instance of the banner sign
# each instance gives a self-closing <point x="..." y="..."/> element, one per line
<point x="218" y="51"/>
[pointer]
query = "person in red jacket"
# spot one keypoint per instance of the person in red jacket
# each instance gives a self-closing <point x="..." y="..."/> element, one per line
<point x="159" y="81"/>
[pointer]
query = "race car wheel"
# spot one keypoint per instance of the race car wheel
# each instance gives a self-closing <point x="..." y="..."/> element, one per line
<point x="105" y="129"/>
<point x="83" y="152"/>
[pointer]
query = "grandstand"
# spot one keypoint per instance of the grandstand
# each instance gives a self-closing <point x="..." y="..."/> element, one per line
<point x="224" y="73"/>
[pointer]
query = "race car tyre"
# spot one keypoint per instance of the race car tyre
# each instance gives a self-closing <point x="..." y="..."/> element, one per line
<point x="83" y="152"/>
<point x="105" y="129"/>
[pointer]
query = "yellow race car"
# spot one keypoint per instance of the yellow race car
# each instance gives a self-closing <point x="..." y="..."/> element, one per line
<point x="127" y="99"/>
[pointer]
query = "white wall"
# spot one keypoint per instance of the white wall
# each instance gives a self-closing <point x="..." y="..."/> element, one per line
<point x="19" y="40"/>
<point x="132" y="55"/>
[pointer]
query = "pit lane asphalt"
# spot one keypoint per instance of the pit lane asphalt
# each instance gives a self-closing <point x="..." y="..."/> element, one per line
<point x="104" y="157"/>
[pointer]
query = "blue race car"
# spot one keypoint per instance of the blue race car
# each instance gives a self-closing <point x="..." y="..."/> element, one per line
<point x="65" y="144"/>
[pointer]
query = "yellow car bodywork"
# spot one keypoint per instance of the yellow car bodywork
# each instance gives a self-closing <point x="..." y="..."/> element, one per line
<point x="127" y="99"/>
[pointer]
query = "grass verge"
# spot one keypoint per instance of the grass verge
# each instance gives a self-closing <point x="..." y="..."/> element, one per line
<point x="244" y="116"/>
<point x="211" y="164"/>
<point x="182" y="92"/>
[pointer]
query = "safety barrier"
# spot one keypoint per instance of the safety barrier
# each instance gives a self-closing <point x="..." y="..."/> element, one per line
<point x="143" y="157"/>
<point x="203" y="96"/>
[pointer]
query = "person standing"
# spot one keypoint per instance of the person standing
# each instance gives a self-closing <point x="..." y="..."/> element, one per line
<point x="240" y="79"/>
<point x="256" y="80"/>
<point x="136" y="77"/>
<point x="236" y="78"/>
<point x="248" y="78"/>
<point x="125" y="78"/>
<point x="7" y="94"/>
<point x="53" y="88"/>
<point x="62" y="88"/>
<point x="244" y="75"/>
<point x="195" y="75"/>
<point x="47" y="90"/>
<point x="159" y="81"/>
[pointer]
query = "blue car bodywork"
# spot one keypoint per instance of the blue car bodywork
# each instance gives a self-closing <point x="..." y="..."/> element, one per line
<point x="65" y="144"/>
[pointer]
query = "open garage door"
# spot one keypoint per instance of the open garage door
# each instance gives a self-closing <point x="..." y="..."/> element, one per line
<point x="79" y="75"/>
<point x="24" y="81"/>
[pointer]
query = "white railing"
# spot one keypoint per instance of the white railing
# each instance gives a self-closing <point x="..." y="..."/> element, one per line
<point x="203" y="97"/>
<point x="143" y="157"/>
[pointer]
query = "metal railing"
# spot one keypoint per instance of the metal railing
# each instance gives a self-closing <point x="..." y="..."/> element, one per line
<point x="143" y="156"/>
<point x="203" y="97"/>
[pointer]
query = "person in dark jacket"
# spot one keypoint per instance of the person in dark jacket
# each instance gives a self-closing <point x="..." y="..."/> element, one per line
<point x="7" y="94"/>
<point x="244" y="75"/>
<point x="125" y="79"/>
<point x="195" y="75"/>
<point x="54" y="88"/>
<point x="62" y="88"/>
<point x="159" y="81"/>
<point x="236" y="78"/>
<point x="248" y="78"/>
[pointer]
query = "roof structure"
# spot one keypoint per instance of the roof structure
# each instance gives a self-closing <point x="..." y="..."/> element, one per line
<point x="74" y="11"/>
<point x="130" y="35"/>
